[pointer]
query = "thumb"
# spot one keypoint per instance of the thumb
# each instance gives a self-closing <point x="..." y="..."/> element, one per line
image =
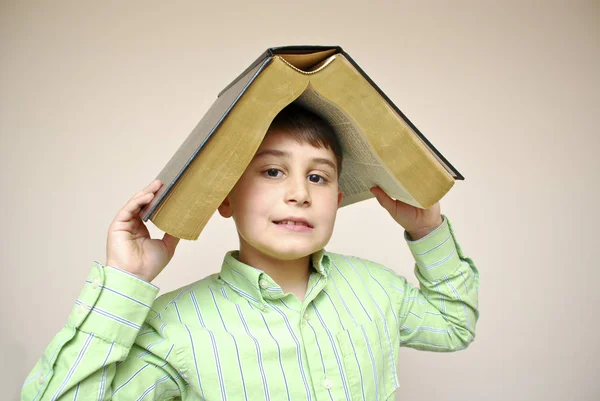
<point x="384" y="200"/>
<point x="171" y="243"/>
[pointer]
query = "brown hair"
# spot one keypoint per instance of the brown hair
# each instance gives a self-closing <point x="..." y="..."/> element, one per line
<point x="307" y="127"/>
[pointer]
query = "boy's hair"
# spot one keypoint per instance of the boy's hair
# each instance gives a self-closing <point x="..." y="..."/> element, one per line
<point x="306" y="126"/>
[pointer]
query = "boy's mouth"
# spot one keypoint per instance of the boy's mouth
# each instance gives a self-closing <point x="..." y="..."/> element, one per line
<point x="293" y="221"/>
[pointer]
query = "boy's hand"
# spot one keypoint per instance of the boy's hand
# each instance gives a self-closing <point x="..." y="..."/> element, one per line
<point x="129" y="246"/>
<point x="417" y="222"/>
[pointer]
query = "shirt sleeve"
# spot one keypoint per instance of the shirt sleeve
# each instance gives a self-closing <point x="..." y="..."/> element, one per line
<point x="442" y="314"/>
<point x="94" y="356"/>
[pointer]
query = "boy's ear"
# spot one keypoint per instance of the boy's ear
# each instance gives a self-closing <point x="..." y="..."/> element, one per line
<point x="225" y="208"/>
<point x="340" y="197"/>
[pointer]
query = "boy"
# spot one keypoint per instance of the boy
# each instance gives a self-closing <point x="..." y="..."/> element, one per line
<point x="284" y="319"/>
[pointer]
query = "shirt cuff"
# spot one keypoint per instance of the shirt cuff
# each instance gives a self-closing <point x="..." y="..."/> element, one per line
<point x="436" y="254"/>
<point x="113" y="304"/>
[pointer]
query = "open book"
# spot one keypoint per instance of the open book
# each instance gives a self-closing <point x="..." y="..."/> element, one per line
<point x="381" y="146"/>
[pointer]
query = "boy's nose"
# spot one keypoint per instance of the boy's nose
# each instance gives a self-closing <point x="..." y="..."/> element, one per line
<point x="297" y="191"/>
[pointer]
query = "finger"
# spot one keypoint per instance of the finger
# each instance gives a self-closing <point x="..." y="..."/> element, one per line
<point x="133" y="207"/>
<point x="384" y="200"/>
<point x="152" y="187"/>
<point x="170" y="242"/>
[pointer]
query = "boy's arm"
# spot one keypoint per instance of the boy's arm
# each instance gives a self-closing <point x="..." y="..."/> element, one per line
<point x="94" y="357"/>
<point x="441" y="316"/>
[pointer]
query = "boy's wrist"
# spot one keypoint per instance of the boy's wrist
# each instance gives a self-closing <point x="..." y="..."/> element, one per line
<point x="415" y="235"/>
<point x="140" y="276"/>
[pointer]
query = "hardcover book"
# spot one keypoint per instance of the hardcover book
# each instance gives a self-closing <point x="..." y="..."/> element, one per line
<point x="381" y="146"/>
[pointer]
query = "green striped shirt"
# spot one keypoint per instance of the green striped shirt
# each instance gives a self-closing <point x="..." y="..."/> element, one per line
<point x="236" y="335"/>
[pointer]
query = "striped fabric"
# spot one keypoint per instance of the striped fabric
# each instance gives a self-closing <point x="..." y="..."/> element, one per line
<point x="236" y="336"/>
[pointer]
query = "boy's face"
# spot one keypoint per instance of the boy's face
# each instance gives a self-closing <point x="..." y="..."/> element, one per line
<point x="285" y="203"/>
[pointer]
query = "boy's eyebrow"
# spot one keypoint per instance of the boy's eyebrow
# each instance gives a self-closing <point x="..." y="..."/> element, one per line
<point x="272" y="152"/>
<point x="281" y="153"/>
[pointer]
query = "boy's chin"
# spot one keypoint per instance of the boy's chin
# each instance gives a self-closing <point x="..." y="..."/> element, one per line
<point x="284" y="249"/>
<point x="290" y="253"/>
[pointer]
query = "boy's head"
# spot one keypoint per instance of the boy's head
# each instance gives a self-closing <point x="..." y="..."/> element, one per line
<point x="284" y="205"/>
<point x="307" y="127"/>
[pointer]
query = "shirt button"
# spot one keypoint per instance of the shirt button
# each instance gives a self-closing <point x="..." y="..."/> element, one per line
<point x="327" y="384"/>
<point x="41" y="379"/>
<point x="82" y="307"/>
<point x="263" y="284"/>
<point x="95" y="282"/>
<point x="306" y="317"/>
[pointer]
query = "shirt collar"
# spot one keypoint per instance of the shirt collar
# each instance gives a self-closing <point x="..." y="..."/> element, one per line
<point x="256" y="285"/>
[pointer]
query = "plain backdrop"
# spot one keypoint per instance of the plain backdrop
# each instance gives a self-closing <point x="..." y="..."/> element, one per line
<point x="95" y="97"/>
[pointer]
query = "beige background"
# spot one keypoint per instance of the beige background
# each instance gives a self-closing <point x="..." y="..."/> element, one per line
<point x="95" y="98"/>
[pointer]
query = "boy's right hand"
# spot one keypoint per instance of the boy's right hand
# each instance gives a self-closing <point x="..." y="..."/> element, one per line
<point x="129" y="246"/>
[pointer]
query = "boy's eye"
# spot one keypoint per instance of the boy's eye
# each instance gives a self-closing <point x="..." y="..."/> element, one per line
<point x="272" y="172"/>
<point x="317" y="179"/>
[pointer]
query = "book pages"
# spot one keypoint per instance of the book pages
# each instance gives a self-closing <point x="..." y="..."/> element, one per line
<point x="361" y="167"/>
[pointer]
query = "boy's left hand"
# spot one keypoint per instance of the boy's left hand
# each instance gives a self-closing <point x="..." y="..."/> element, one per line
<point x="417" y="222"/>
